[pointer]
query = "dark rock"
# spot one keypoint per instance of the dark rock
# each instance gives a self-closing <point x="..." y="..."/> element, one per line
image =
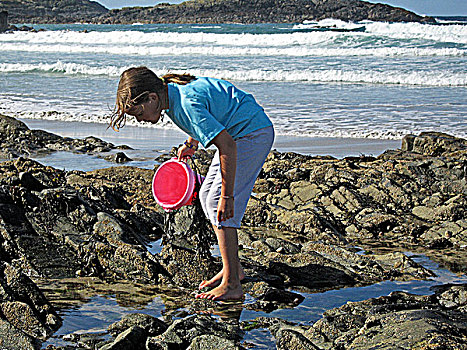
<point x="212" y="342"/>
<point x="399" y="320"/>
<point x="151" y="325"/>
<point x="30" y="182"/>
<point x="64" y="229"/>
<point x="118" y="157"/>
<point x="289" y="339"/>
<point x="182" y="332"/>
<point x="3" y="21"/>
<point x="12" y="338"/>
<point x="16" y="139"/>
<point x="263" y="11"/>
<point x="25" y="313"/>
<point x="133" y="338"/>
<point x="61" y="224"/>
<point x="55" y="11"/>
<point x="218" y="11"/>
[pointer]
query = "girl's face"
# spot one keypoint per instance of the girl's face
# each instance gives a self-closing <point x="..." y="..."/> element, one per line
<point x="149" y="111"/>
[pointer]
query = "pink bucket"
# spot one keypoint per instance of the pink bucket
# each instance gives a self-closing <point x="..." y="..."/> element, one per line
<point x="173" y="185"/>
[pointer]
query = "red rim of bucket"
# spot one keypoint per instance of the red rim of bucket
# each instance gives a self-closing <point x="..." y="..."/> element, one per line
<point x="189" y="188"/>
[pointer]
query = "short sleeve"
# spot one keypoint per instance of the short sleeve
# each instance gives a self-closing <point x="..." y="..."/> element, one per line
<point x="204" y="125"/>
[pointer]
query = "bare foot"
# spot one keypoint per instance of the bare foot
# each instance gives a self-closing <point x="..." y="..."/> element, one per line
<point x="216" y="280"/>
<point x="223" y="292"/>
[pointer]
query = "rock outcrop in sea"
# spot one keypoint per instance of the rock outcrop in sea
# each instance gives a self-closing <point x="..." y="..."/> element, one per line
<point x="262" y="11"/>
<point x="306" y="228"/>
<point x="3" y="21"/>
<point x="204" y="11"/>
<point x="52" y="11"/>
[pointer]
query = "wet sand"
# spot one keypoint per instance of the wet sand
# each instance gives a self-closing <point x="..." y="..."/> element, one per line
<point x="147" y="140"/>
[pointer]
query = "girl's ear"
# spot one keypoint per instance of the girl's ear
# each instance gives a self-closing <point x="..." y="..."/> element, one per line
<point x="153" y="96"/>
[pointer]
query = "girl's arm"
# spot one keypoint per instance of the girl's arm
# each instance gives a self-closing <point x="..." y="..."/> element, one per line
<point x="228" y="159"/>
<point x="185" y="151"/>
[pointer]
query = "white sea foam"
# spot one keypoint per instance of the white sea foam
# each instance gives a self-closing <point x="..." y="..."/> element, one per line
<point x="228" y="51"/>
<point x="381" y="39"/>
<point x="455" y="33"/>
<point x="59" y="67"/>
<point x="422" y="78"/>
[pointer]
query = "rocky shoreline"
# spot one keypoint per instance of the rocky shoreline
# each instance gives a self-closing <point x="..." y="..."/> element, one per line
<point x="203" y="11"/>
<point x="301" y="228"/>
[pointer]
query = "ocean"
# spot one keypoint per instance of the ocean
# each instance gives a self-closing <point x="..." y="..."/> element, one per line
<point x="317" y="81"/>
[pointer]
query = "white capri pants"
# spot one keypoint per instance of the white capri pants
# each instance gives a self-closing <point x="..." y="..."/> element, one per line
<point x="252" y="151"/>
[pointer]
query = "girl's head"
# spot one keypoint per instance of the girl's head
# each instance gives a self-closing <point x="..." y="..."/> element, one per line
<point x="140" y="91"/>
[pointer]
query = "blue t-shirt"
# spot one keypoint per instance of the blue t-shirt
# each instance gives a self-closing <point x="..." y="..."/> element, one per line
<point x="206" y="106"/>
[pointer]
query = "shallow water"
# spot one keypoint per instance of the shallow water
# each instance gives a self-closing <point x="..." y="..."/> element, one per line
<point x="149" y="143"/>
<point x="95" y="312"/>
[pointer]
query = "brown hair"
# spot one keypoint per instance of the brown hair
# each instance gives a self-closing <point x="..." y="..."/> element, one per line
<point x="134" y="88"/>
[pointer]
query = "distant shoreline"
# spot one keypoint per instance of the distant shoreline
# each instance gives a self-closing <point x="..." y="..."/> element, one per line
<point x="165" y="139"/>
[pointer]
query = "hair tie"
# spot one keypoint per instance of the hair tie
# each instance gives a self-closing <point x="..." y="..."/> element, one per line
<point x="163" y="80"/>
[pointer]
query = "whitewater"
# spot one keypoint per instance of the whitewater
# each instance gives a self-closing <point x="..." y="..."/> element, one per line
<point x="387" y="81"/>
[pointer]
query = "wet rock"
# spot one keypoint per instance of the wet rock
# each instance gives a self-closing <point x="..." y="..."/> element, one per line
<point x="270" y="298"/>
<point x="118" y="157"/>
<point x="16" y="139"/>
<point x="410" y="197"/>
<point x="212" y="342"/>
<point x="184" y="266"/>
<point x="313" y="209"/>
<point x="67" y="228"/>
<point x="133" y="338"/>
<point x="288" y="339"/>
<point x="182" y="332"/>
<point x="26" y="315"/>
<point x="151" y="325"/>
<point x="398" y="320"/>
<point x="452" y="296"/>
<point x="14" y="339"/>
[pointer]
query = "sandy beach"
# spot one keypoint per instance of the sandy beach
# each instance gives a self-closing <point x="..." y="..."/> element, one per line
<point x="148" y="141"/>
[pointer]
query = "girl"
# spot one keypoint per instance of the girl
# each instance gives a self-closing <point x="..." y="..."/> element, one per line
<point x="212" y="112"/>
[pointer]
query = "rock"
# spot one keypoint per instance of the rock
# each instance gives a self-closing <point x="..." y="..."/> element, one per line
<point x="182" y="332"/>
<point x="26" y="314"/>
<point x="218" y="11"/>
<point x="405" y="197"/>
<point x="452" y="296"/>
<point x="288" y="339"/>
<point x="212" y="342"/>
<point x="13" y="339"/>
<point x="151" y="325"/>
<point x="433" y="143"/>
<point x="118" y="157"/>
<point x="3" y="21"/>
<point x="55" y="11"/>
<point x="56" y="224"/>
<point x="398" y="320"/>
<point x="91" y="229"/>
<point x="17" y="139"/>
<point x="133" y="338"/>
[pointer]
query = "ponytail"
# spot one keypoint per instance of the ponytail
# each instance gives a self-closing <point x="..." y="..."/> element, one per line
<point x="180" y="79"/>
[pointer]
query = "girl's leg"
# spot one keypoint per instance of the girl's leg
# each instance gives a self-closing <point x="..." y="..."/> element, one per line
<point x="252" y="150"/>
<point x="230" y="287"/>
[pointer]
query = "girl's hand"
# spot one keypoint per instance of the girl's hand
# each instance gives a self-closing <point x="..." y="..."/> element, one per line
<point x="184" y="152"/>
<point x="225" y="209"/>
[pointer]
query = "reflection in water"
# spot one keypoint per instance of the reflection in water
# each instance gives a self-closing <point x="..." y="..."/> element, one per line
<point x="89" y="305"/>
